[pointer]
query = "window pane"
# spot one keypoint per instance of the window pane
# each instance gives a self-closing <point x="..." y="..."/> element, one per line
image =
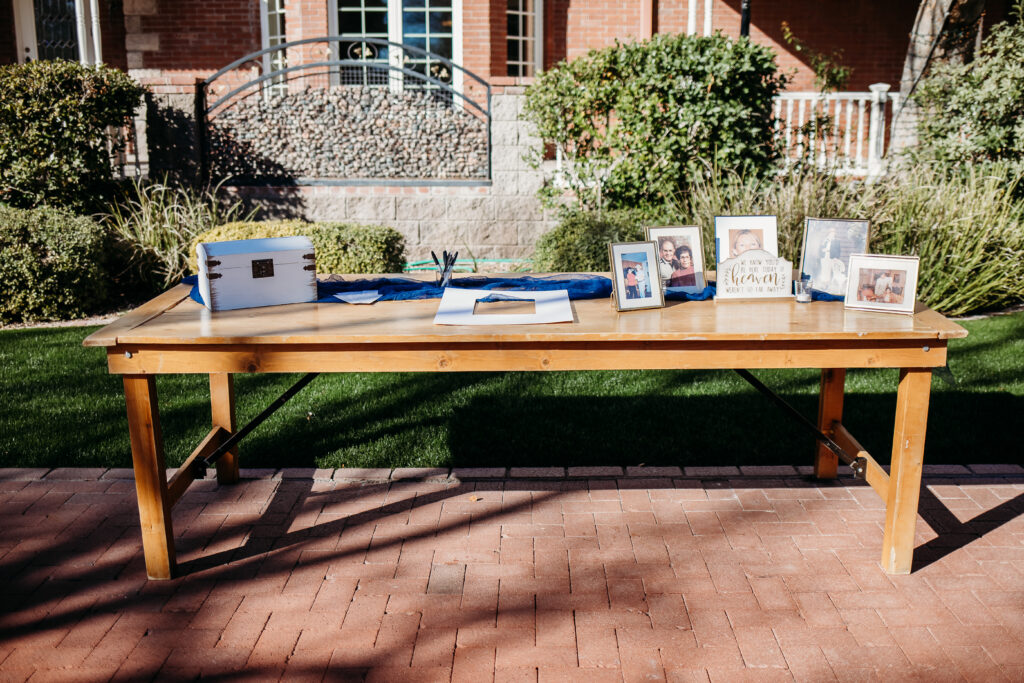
<point x="442" y="46"/>
<point x="414" y="23"/>
<point x="442" y="4"/>
<point x="351" y="24"/>
<point x="513" y="51"/>
<point x="513" y="26"/>
<point x="440" y="22"/>
<point x="514" y="5"/>
<point x="382" y="4"/>
<point x="414" y="3"/>
<point x="377" y="22"/>
<point x="416" y="41"/>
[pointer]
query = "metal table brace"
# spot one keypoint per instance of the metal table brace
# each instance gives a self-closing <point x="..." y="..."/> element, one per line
<point x="858" y="465"/>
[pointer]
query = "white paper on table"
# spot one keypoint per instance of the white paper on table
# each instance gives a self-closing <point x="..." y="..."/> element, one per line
<point x="367" y="296"/>
<point x="458" y="305"/>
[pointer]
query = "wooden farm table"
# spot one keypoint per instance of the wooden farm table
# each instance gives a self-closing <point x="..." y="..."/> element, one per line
<point x="173" y="334"/>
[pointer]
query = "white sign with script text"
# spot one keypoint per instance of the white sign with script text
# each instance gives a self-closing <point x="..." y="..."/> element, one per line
<point x="754" y="274"/>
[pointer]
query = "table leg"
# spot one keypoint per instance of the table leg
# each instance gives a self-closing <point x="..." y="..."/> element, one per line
<point x="150" y="475"/>
<point x="222" y="406"/>
<point x="830" y="409"/>
<point x="905" y="469"/>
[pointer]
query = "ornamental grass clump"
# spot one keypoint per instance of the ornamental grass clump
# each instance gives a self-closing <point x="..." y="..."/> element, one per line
<point x="158" y="222"/>
<point x="968" y="230"/>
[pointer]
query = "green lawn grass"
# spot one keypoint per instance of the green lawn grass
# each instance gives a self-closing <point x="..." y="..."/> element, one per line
<point x="60" y="408"/>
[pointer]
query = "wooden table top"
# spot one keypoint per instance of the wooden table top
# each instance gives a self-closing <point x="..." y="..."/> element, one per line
<point x="173" y="318"/>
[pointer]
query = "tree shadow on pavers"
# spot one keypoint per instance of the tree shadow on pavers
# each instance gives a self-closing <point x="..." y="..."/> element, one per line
<point x="953" y="534"/>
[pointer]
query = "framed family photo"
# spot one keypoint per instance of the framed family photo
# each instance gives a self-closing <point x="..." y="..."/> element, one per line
<point x="882" y="283"/>
<point x="680" y="257"/>
<point x="827" y="246"/>
<point x="635" y="279"/>
<point x="735" y="235"/>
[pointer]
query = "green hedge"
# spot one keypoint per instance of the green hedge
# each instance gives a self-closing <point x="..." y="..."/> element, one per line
<point x="340" y="247"/>
<point x="52" y="265"/>
<point x="636" y="121"/>
<point x="579" y="243"/>
<point x="54" y="117"/>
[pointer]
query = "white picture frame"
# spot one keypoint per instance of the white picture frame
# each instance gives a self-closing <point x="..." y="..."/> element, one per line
<point x="737" y="234"/>
<point x="826" y="249"/>
<point x="635" y="281"/>
<point x="882" y="283"/>
<point x="676" y="274"/>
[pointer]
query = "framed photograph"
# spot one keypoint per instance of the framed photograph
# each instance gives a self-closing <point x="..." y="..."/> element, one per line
<point x="825" y="254"/>
<point x="635" y="279"/>
<point x="882" y="283"/>
<point x="737" y="234"/>
<point x="680" y="257"/>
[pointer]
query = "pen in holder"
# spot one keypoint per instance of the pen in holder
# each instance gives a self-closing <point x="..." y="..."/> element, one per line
<point x="444" y="272"/>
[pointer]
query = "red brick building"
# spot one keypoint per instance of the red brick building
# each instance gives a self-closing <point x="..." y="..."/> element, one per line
<point x="491" y="207"/>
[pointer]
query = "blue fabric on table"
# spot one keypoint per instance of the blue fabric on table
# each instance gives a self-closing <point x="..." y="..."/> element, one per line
<point x="825" y="296"/>
<point x="402" y="288"/>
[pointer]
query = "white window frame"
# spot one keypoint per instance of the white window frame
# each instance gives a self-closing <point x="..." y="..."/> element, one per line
<point x="265" y="39"/>
<point x="395" y="31"/>
<point x="87" y="30"/>
<point x="538" y="37"/>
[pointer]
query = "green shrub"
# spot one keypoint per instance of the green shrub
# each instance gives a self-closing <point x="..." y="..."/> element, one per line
<point x="580" y="241"/>
<point x="340" y="247"/>
<point x="51" y="265"/>
<point x="54" y="147"/>
<point x="157" y="223"/>
<point x="974" y="112"/>
<point x="636" y="120"/>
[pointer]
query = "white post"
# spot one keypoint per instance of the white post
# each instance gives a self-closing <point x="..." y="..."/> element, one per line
<point x="691" y="18"/>
<point x="84" y="44"/>
<point x="876" y="128"/>
<point x="707" y="16"/>
<point x="97" y="42"/>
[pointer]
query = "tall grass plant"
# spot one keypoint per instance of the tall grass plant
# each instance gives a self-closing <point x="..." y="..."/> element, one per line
<point x="158" y="221"/>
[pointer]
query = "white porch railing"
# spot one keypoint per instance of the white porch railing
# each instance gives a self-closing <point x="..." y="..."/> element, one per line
<point x="843" y="131"/>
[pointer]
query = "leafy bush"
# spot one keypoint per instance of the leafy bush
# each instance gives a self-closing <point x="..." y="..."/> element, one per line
<point x="51" y="265"/>
<point x="54" y="147"/>
<point x="974" y="112"/>
<point x="340" y="247"/>
<point x="580" y="241"/>
<point x="157" y="222"/>
<point x="636" y="120"/>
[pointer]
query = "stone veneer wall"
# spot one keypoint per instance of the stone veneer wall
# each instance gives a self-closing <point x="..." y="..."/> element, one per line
<point x="502" y="220"/>
<point x="348" y="132"/>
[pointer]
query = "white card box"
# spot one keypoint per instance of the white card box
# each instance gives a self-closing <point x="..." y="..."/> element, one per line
<point x="260" y="272"/>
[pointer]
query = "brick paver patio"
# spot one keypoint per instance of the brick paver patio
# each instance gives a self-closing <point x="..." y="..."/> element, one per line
<point x="540" y="574"/>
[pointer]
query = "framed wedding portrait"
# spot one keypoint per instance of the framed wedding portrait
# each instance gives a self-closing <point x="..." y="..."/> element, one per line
<point x="635" y="279"/>
<point x="680" y="257"/>
<point x="882" y="283"/>
<point x="735" y="235"/>
<point x="825" y="253"/>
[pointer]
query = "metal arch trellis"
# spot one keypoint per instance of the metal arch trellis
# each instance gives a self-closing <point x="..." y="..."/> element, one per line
<point x="204" y="111"/>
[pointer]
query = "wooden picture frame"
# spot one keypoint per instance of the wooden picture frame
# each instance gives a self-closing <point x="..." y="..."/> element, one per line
<point x="635" y="281"/>
<point x="736" y="234"/>
<point x="882" y="283"/>
<point x="826" y="249"/>
<point x="676" y="274"/>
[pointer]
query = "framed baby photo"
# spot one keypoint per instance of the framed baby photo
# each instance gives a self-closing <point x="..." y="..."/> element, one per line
<point x="737" y="234"/>
<point x="825" y="254"/>
<point x="680" y="257"/>
<point x="635" y="279"/>
<point x="882" y="283"/>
